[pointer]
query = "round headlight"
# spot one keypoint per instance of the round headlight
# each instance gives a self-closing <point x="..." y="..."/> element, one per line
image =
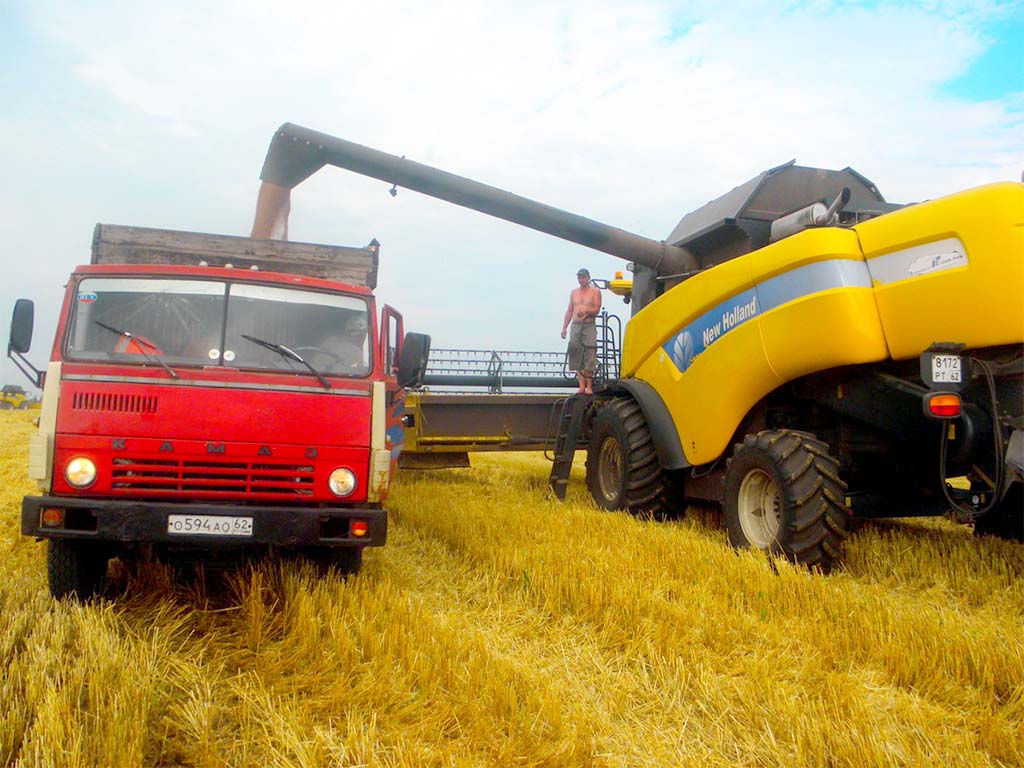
<point x="342" y="482"/>
<point x="80" y="472"/>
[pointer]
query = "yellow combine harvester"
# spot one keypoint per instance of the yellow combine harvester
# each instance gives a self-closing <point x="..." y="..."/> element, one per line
<point x="801" y="351"/>
<point x="13" y="397"/>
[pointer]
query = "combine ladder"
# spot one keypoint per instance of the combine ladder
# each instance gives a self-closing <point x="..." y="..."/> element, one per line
<point x="565" y="443"/>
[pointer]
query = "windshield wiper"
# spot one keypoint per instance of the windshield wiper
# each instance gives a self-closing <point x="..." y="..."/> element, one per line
<point x="140" y="343"/>
<point x="287" y="353"/>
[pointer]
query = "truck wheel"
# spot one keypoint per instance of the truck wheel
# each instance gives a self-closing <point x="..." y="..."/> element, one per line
<point x="623" y="471"/>
<point x="782" y="494"/>
<point x="344" y="560"/>
<point x="1005" y="519"/>
<point x="75" y="568"/>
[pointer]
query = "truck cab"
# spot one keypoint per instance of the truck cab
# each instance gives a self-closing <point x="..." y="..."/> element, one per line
<point x="204" y="411"/>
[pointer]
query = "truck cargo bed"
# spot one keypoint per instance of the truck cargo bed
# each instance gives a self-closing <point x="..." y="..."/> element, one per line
<point x="117" y="244"/>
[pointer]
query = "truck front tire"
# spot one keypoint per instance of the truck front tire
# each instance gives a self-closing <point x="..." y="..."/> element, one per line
<point x="783" y="495"/>
<point x="346" y="561"/>
<point x="75" y="569"/>
<point x="623" y="471"/>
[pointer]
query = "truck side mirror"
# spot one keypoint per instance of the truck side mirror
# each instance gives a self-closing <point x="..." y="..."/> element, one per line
<point x="412" y="363"/>
<point x="21" y="326"/>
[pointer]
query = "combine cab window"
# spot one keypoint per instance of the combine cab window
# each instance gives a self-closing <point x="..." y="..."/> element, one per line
<point x="195" y="322"/>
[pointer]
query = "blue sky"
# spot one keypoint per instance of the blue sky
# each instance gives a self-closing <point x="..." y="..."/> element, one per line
<point x="998" y="71"/>
<point x="632" y="114"/>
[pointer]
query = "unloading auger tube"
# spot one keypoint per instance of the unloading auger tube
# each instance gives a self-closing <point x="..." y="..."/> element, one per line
<point x="296" y="153"/>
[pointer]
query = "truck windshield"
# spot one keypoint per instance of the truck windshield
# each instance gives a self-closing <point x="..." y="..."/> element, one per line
<point x="206" y="322"/>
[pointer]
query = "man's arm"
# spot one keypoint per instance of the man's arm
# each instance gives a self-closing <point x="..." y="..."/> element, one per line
<point x="568" y="317"/>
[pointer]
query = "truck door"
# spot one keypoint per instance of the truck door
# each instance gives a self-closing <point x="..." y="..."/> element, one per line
<point x="392" y="332"/>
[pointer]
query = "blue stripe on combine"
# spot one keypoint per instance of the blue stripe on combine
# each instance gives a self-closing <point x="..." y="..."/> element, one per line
<point x="771" y="294"/>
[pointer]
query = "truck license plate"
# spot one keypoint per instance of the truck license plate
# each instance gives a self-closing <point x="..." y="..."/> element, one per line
<point x="946" y="369"/>
<point x="209" y="525"/>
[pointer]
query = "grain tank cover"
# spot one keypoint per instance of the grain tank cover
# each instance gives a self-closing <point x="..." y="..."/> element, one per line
<point x="116" y="244"/>
<point x="740" y="221"/>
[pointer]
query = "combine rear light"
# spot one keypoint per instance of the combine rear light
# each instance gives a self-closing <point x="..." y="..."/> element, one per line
<point x="359" y="528"/>
<point x="51" y="517"/>
<point x="942" y="405"/>
<point x="80" y="472"/>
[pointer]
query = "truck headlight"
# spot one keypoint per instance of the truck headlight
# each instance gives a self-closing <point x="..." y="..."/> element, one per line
<point x="342" y="482"/>
<point x="80" y="472"/>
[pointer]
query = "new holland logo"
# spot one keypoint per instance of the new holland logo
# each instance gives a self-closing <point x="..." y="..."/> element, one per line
<point x="709" y="328"/>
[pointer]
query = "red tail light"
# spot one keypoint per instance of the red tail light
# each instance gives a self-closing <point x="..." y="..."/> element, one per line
<point x="358" y="528"/>
<point x="943" y="405"/>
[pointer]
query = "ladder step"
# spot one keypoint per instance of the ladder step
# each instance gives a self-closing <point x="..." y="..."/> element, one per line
<point x="565" y="444"/>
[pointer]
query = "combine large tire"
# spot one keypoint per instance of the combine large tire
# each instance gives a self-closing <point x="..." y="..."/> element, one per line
<point x="75" y="569"/>
<point x="783" y="495"/>
<point x="1006" y="519"/>
<point x="623" y="471"/>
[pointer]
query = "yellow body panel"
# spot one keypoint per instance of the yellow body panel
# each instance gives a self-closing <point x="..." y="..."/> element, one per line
<point x="814" y="310"/>
<point x="977" y="300"/>
<point x="826" y="330"/>
<point x="716" y="390"/>
<point x="826" y="326"/>
<point x="661" y="319"/>
<point x="947" y="270"/>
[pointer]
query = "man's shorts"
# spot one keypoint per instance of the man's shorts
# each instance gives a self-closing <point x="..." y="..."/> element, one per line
<point x="583" y="347"/>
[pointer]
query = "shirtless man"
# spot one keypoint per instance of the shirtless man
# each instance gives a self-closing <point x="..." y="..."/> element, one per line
<point x="584" y="306"/>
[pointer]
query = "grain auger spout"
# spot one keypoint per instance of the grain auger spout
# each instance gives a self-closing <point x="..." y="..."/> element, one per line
<point x="296" y="153"/>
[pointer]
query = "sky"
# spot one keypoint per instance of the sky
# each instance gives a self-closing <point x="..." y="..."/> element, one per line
<point x="632" y="113"/>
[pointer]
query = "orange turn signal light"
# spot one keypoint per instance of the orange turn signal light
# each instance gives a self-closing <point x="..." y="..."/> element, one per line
<point x="943" y="405"/>
<point x="618" y="275"/>
<point x="51" y="517"/>
<point x="359" y="528"/>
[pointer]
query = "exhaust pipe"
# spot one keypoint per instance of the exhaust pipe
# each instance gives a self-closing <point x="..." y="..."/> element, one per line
<point x="814" y="215"/>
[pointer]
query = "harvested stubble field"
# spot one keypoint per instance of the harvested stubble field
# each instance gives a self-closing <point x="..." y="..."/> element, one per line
<point x="500" y="628"/>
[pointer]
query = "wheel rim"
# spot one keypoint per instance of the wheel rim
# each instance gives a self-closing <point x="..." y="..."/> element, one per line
<point x="609" y="469"/>
<point x="760" y="508"/>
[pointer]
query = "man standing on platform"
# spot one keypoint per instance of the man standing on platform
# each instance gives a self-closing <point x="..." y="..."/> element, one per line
<point x="584" y="306"/>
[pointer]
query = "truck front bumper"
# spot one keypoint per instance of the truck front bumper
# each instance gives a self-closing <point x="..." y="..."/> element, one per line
<point x="147" y="522"/>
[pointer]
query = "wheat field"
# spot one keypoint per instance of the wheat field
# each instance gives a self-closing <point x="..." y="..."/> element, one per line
<point x="501" y="628"/>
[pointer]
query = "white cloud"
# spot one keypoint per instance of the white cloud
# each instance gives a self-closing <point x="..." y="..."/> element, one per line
<point x="628" y="113"/>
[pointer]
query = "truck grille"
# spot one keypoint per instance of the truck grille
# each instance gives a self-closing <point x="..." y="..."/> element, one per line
<point x="229" y="478"/>
<point x="113" y="403"/>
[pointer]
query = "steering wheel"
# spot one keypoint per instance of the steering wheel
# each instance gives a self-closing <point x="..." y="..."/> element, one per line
<point x="312" y="353"/>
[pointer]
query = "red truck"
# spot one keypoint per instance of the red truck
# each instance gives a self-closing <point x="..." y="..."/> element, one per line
<point x="212" y="398"/>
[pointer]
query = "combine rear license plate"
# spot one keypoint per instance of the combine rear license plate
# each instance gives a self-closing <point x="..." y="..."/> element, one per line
<point x="209" y="525"/>
<point x="946" y="369"/>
